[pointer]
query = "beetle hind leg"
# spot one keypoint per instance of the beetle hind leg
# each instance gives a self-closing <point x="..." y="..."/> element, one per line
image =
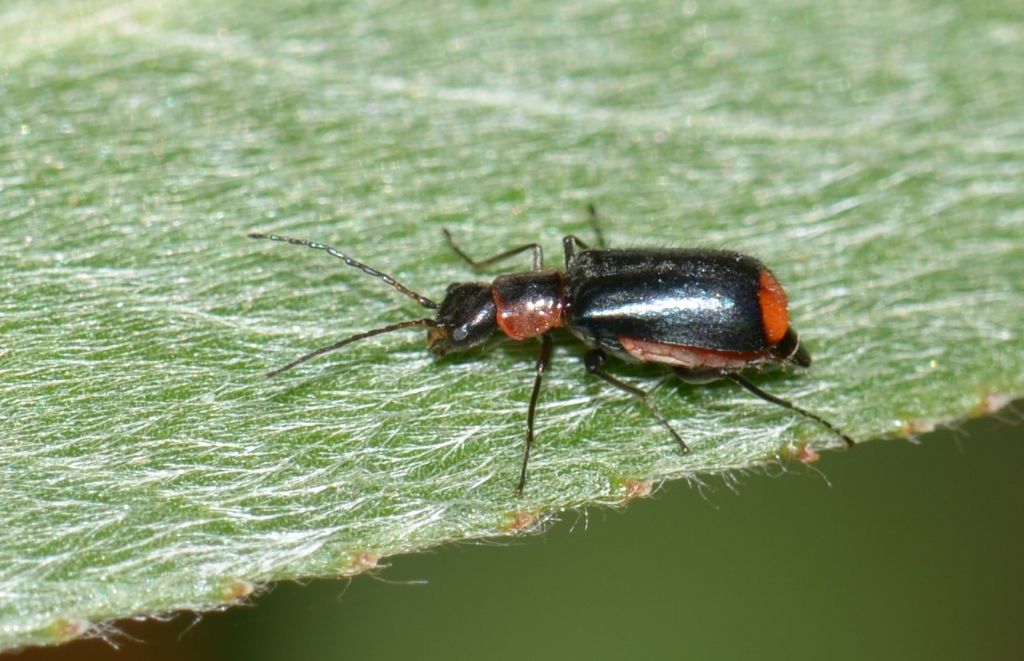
<point x="736" y="378"/>
<point x="594" y="362"/>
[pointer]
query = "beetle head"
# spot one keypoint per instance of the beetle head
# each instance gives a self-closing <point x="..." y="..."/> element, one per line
<point x="465" y="318"/>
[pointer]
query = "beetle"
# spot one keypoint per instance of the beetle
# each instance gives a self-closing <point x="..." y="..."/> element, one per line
<point x="705" y="314"/>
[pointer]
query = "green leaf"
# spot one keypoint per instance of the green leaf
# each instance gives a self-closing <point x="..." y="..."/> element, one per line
<point x="868" y="151"/>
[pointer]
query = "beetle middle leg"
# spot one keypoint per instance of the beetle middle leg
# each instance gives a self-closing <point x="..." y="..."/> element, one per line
<point x="594" y="361"/>
<point x="478" y="265"/>
<point x="571" y="243"/>
<point x="595" y="225"/>
<point x="543" y="359"/>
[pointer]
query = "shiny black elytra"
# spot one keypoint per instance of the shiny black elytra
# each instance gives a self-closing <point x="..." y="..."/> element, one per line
<point x="706" y="314"/>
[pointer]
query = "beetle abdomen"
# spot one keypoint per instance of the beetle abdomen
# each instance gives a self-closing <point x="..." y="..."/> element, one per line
<point x="698" y="299"/>
<point x="689" y="357"/>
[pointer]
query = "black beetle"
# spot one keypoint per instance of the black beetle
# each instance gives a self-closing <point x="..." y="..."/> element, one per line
<point x="707" y="314"/>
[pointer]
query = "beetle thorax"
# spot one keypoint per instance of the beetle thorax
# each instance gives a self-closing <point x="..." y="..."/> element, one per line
<point x="529" y="304"/>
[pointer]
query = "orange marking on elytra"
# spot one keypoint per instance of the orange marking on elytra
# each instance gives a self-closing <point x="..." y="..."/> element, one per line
<point x="774" y="308"/>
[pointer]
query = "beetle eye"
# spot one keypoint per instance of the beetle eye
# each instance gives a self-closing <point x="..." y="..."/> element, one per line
<point x="460" y="334"/>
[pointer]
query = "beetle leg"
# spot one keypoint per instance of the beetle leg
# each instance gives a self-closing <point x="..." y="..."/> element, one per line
<point x="572" y="242"/>
<point x="569" y="245"/>
<point x="594" y="360"/>
<point x="595" y="225"/>
<point x="538" y="254"/>
<point x="736" y="378"/>
<point x="542" y="364"/>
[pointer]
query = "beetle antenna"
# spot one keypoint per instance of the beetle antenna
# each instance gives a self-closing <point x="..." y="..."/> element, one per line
<point x="333" y="252"/>
<point x="736" y="378"/>
<point x="412" y="323"/>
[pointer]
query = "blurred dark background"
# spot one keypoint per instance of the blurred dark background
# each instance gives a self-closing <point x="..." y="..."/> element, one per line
<point x="892" y="550"/>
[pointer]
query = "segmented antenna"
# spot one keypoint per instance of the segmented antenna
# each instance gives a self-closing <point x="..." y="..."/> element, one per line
<point x="413" y="323"/>
<point x="334" y="252"/>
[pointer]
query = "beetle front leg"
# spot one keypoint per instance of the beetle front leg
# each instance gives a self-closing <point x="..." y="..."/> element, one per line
<point x="594" y="361"/>
<point x="543" y="359"/>
<point x="480" y="264"/>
